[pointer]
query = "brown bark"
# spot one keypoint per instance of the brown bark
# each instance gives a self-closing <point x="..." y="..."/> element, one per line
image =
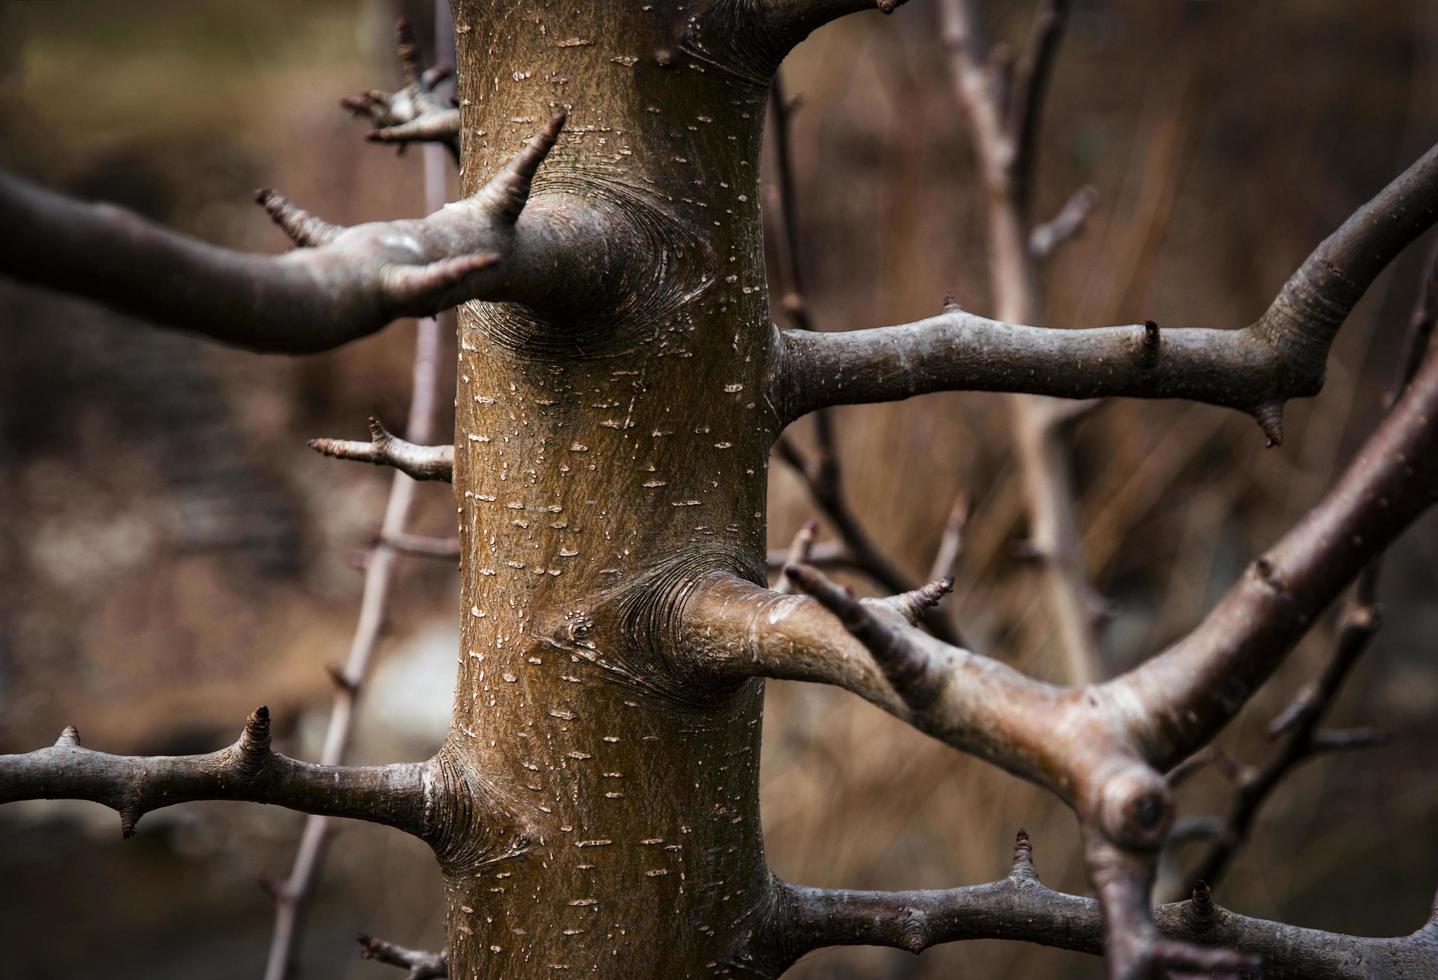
<point x="595" y="806"/>
<point x="604" y="461"/>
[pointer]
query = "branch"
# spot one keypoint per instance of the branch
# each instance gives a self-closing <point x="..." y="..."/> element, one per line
<point x="787" y="22"/>
<point x="421" y="966"/>
<point x="1005" y="153"/>
<point x="386" y="449"/>
<point x="249" y="770"/>
<point x="824" y="484"/>
<point x="292" y="894"/>
<point x="1299" y="724"/>
<point x="1020" y="907"/>
<point x="824" y="554"/>
<point x="1256" y="369"/>
<point x="1101" y="748"/>
<point x="1068" y="223"/>
<point x="415" y="113"/>
<point x="422" y="546"/>
<point x="1025" y="107"/>
<point x="352" y="282"/>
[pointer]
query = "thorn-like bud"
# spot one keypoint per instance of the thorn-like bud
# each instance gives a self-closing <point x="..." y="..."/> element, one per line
<point x="129" y="817"/>
<point x="913" y="604"/>
<point x="1151" y="337"/>
<point x="255" y="739"/>
<point x="1200" y="912"/>
<point x="905" y="664"/>
<point x="951" y="304"/>
<point x="1022" y="867"/>
<point x="508" y="192"/>
<point x="889" y="6"/>
<point x="69" y="738"/>
<point x="303" y="228"/>
<point x="1269" y="416"/>
<point x="407" y="48"/>
<point x="412" y="284"/>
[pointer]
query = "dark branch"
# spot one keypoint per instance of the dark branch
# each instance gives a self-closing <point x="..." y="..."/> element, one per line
<point x="416" y="112"/>
<point x="488" y="246"/>
<point x="1256" y="369"/>
<point x="788" y="22"/>
<point x="1025" y="108"/>
<point x="1299" y="725"/>
<point x="249" y="770"/>
<point x="1101" y="748"/>
<point x="386" y="449"/>
<point x="1020" y="907"/>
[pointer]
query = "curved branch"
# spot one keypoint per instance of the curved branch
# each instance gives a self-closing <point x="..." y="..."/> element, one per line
<point x="1101" y="748"/>
<point x="788" y="22"/>
<point x="415" y="113"/>
<point x="494" y="245"/>
<point x="386" y="449"/>
<point x="249" y="771"/>
<point x="1020" y="907"/>
<point x="1281" y="355"/>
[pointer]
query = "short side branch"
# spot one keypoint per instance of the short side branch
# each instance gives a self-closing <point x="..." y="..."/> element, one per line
<point x="249" y="770"/>
<point x="421" y="965"/>
<point x="386" y="449"/>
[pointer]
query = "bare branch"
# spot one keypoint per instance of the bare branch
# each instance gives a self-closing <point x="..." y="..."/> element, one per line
<point x="415" y="113"/>
<point x="951" y="542"/>
<point x="824" y="554"/>
<point x="1020" y="907"/>
<point x="353" y="283"/>
<point x="1191" y="690"/>
<point x="1069" y="222"/>
<point x="1299" y="724"/>
<point x="1100" y="748"/>
<point x="386" y="449"/>
<point x="800" y="550"/>
<point x="825" y="488"/>
<point x="787" y="22"/>
<point x="1025" y="107"/>
<point x="420" y="546"/>
<point x="1006" y="157"/>
<point x="421" y="965"/>
<point x="249" y="770"/>
<point x="1279" y="356"/>
<point x="292" y="895"/>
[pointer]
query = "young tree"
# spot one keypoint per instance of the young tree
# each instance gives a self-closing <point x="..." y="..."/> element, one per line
<point x="595" y="805"/>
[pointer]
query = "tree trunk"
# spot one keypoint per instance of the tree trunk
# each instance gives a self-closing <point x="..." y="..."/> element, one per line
<point x="602" y="806"/>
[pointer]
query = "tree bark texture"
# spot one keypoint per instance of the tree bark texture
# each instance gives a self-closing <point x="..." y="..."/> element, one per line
<point x="603" y="812"/>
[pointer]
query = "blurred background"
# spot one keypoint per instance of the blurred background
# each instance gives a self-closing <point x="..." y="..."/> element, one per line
<point x="172" y="555"/>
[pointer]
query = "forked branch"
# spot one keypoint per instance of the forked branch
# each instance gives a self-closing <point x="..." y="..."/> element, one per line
<point x="386" y="449"/>
<point x="249" y="770"/>
<point x="1281" y="355"/>
<point x="344" y="284"/>
<point x="1102" y="748"/>
<point x="1020" y="907"/>
<point x="415" y="113"/>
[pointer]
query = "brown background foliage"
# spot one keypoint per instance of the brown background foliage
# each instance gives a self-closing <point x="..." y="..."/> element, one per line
<point x="171" y="555"/>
